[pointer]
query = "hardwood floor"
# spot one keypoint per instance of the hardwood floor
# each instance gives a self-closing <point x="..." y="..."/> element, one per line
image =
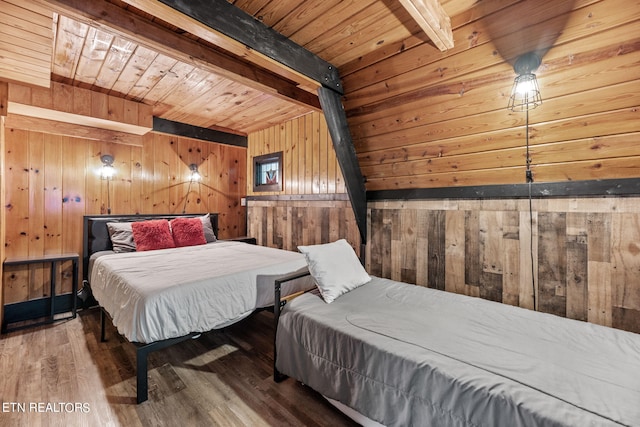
<point x="62" y="375"/>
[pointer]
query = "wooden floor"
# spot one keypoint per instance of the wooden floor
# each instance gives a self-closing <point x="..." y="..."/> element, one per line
<point x="62" y="375"/>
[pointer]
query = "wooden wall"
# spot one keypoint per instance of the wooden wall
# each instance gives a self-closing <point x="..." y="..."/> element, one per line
<point x="52" y="180"/>
<point x="585" y="252"/>
<point x="309" y="161"/>
<point x="3" y="100"/>
<point x="421" y="118"/>
<point x="313" y="206"/>
<point x="285" y="224"/>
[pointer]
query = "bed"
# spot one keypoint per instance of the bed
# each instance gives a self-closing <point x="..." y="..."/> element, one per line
<point x="400" y="355"/>
<point x="157" y="298"/>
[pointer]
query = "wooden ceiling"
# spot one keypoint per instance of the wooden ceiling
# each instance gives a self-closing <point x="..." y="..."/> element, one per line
<point x="175" y="64"/>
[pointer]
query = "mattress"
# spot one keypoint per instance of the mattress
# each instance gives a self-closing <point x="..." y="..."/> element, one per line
<point x="407" y="355"/>
<point x="168" y="293"/>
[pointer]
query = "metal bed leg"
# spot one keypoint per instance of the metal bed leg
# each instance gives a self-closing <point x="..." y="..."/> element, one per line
<point x="102" y="325"/>
<point x="278" y="376"/>
<point x="142" y="365"/>
<point x="142" y="380"/>
<point x="277" y="306"/>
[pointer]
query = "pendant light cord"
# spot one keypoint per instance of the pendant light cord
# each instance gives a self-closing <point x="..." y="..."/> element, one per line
<point x="529" y="176"/>
<point x="184" y="207"/>
<point x="108" y="197"/>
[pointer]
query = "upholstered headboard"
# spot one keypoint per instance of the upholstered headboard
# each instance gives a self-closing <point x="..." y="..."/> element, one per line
<point x="96" y="235"/>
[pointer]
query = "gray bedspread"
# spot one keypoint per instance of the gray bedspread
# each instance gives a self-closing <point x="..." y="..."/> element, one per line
<point x="411" y="356"/>
<point x="168" y="293"/>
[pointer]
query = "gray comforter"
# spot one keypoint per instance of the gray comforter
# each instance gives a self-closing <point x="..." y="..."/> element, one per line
<point x="406" y="355"/>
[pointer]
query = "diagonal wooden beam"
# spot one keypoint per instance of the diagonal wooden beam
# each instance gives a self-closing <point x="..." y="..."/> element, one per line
<point x="112" y="18"/>
<point x="192" y="26"/>
<point x="346" y="154"/>
<point x="239" y="27"/>
<point x="433" y="20"/>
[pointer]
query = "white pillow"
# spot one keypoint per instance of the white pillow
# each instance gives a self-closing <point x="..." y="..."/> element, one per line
<point x="335" y="268"/>
<point x="121" y="235"/>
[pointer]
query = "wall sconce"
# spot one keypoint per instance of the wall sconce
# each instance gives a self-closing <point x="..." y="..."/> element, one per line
<point x="195" y="175"/>
<point x="525" y="94"/>
<point x="107" y="173"/>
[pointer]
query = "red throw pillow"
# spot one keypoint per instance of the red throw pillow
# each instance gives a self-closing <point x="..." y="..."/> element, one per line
<point x="187" y="232"/>
<point x="152" y="235"/>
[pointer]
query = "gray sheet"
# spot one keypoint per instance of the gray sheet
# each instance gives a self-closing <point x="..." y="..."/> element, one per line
<point x="406" y="355"/>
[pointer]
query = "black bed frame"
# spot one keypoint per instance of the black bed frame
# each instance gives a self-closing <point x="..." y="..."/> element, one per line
<point x="96" y="238"/>
<point x="277" y="309"/>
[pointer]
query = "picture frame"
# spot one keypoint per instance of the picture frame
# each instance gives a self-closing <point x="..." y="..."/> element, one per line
<point x="267" y="172"/>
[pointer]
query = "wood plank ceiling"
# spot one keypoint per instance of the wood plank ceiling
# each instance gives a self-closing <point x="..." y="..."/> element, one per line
<point x="89" y="53"/>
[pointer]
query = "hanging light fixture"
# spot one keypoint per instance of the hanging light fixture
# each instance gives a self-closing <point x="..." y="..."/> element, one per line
<point x="195" y="175"/>
<point x="107" y="173"/>
<point x="525" y="94"/>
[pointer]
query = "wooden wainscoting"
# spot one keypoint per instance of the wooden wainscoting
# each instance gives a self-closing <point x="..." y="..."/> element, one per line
<point x="585" y="252"/>
<point x="285" y="223"/>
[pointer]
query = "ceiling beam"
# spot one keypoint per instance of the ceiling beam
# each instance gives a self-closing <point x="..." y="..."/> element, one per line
<point x="433" y="20"/>
<point x="237" y="26"/>
<point x="74" y="130"/>
<point x="204" y="134"/>
<point x="112" y="18"/>
<point x="76" y="119"/>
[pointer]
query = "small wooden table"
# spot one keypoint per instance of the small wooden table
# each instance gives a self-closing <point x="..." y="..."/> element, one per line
<point x="53" y="260"/>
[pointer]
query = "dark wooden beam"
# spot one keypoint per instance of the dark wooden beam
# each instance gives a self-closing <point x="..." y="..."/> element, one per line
<point x="591" y="188"/>
<point x="224" y="17"/>
<point x="336" y="117"/>
<point x="300" y="197"/>
<point x="113" y="19"/>
<point x="190" y="131"/>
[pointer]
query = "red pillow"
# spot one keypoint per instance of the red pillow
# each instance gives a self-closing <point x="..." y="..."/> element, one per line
<point x="152" y="235"/>
<point x="187" y="232"/>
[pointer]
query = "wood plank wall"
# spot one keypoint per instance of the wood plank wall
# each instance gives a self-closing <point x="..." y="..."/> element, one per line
<point x="51" y="181"/>
<point x="421" y="118"/>
<point x="313" y="206"/>
<point x="309" y="160"/>
<point x="3" y="99"/>
<point x="585" y="252"/>
<point x="285" y="224"/>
